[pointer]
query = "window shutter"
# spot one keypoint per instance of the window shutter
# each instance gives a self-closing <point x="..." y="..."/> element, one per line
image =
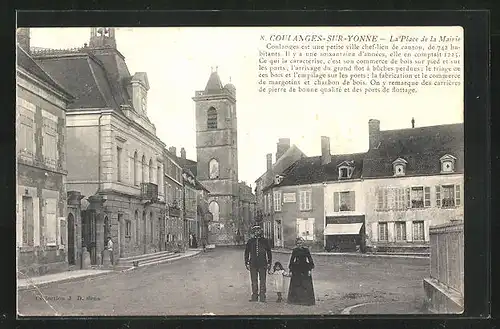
<point x="457" y="195"/>
<point x="408" y="198"/>
<point x="408" y="227"/>
<point x="386" y="198"/>
<point x="311" y="228"/>
<point x="302" y="197"/>
<point x="380" y="199"/>
<point x="427" y="196"/>
<point x="308" y="200"/>
<point x="336" y="206"/>
<point x="438" y="196"/>
<point x="297" y="227"/>
<point x="352" y="201"/>
<point x="374" y="232"/>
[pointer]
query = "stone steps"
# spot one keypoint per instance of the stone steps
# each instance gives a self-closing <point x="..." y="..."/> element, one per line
<point x="146" y="258"/>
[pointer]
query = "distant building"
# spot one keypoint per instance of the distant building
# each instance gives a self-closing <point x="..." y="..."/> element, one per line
<point x="46" y="239"/>
<point x="217" y="159"/>
<point x="285" y="156"/>
<point x="114" y="157"/>
<point x="174" y="206"/>
<point x="413" y="178"/>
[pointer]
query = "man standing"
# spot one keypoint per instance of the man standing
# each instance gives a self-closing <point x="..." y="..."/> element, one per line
<point x="258" y="260"/>
<point x="110" y="249"/>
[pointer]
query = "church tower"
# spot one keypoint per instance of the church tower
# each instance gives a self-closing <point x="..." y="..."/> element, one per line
<point x="102" y="37"/>
<point x="217" y="156"/>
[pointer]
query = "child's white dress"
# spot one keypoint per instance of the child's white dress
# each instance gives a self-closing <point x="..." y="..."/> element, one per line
<point x="278" y="281"/>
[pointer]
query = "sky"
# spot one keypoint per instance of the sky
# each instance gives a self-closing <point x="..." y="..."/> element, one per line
<point x="179" y="60"/>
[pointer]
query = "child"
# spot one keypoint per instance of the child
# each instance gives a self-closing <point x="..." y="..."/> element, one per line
<point x="278" y="283"/>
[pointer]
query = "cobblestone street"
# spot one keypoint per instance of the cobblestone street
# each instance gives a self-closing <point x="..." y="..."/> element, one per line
<point x="217" y="282"/>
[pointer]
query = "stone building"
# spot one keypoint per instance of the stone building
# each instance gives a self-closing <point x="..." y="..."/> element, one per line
<point x="173" y="191"/>
<point x="114" y="157"/>
<point x="303" y="194"/>
<point x="286" y="155"/>
<point x="46" y="239"/>
<point x="217" y="158"/>
<point x="413" y="179"/>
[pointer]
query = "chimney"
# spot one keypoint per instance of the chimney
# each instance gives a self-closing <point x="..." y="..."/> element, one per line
<point x="173" y="150"/>
<point x="282" y="146"/>
<point x="23" y="38"/>
<point x="413" y="122"/>
<point x="269" y="158"/>
<point x="183" y="153"/>
<point x="374" y="132"/>
<point x="326" y="157"/>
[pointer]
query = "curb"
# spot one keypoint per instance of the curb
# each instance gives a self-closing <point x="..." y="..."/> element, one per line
<point x="347" y="310"/>
<point x="78" y="278"/>
<point x="90" y="276"/>
<point x="356" y="255"/>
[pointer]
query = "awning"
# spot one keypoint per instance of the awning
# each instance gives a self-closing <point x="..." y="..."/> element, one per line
<point x="343" y="229"/>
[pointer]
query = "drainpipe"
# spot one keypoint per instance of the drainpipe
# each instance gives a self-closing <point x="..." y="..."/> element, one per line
<point x="99" y="154"/>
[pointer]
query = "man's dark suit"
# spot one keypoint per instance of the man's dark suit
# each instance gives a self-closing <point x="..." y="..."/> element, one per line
<point x="258" y="258"/>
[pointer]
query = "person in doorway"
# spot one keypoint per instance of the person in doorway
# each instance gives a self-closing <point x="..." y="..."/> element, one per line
<point x="109" y="246"/>
<point x="195" y="241"/>
<point x="191" y="240"/>
<point x="258" y="260"/>
<point x="301" y="290"/>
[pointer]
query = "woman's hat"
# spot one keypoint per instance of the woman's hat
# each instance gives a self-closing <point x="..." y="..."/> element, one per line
<point x="299" y="239"/>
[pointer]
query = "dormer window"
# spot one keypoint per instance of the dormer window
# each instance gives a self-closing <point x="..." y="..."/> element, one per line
<point x="447" y="163"/>
<point x="399" y="167"/>
<point x="278" y="179"/>
<point x="346" y="169"/>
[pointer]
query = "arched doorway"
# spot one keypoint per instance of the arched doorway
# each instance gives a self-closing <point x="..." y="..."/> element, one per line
<point x="71" y="240"/>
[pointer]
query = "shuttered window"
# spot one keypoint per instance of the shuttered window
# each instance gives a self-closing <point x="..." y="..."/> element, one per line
<point x="383" y="232"/>
<point x="305" y="200"/>
<point x="51" y="221"/>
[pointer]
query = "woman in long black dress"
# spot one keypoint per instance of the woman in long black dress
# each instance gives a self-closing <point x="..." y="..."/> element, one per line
<point x="301" y="289"/>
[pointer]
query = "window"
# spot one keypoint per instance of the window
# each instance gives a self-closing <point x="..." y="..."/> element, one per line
<point x="343" y="201"/>
<point x="152" y="226"/>
<point x="418" y="231"/>
<point x="119" y="164"/>
<point x="128" y="228"/>
<point x="277" y="201"/>
<point x="399" y="199"/>
<point x="144" y="171"/>
<point x="136" y="168"/>
<point x="382" y="197"/>
<point x="136" y="217"/>
<point x="28" y="221"/>
<point x="212" y="118"/>
<point x="159" y="177"/>
<point x="383" y="232"/>
<point x="418" y="198"/>
<point x="49" y="148"/>
<point x="213" y="166"/>
<point x="214" y="210"/>
<point x="345" y="172"/>
<point x="447" y="163"/>
<point x="305" y="228"/>
<point x="400" y="231"/>
<point x="448" y="196"/>
<point x="305" y="200"/>
<point x="26" y="133"/>
<point x="50" y="221"/>
<point x="151" y="169"/>
<point x="399" y="167"/>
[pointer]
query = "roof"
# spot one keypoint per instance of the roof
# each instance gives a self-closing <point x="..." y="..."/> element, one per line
<point x="310" y="170"/>
<point x="214" y="85"/>
<point x="95" y="80"/>
<point x="25" y="61"/>
<point x="190" y="165"/>
<point x="420" y="147"/>
<point x="280" y="164"/>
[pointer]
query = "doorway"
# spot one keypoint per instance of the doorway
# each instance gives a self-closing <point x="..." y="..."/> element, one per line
<point x="71" y="239"/>
<point x="89" y="233"/>
<point x="144" y="235"/>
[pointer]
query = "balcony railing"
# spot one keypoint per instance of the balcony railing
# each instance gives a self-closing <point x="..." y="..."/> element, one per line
<point x="149" y="191"/>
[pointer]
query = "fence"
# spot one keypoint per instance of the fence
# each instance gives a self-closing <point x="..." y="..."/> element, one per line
<point x="447" y="255"/>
